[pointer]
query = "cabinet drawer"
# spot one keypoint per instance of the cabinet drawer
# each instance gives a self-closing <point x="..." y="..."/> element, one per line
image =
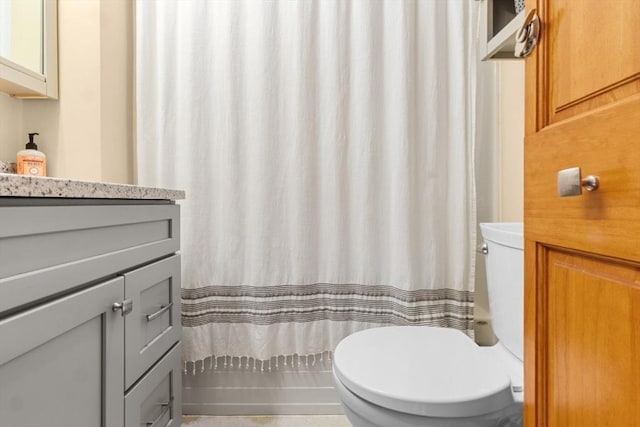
<point x="153" y="326"/>
<point x="156" y="401"/>
<point x="52" y="249"/>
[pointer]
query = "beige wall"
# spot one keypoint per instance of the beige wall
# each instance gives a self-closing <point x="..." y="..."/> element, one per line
<point x="507" y="175"/>
<point x="87" y="133"/>
<point x="11" y="136"/>
<point x="511" y="140"/>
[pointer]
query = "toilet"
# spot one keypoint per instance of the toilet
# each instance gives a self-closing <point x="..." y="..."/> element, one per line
<point x="405" y="376"/>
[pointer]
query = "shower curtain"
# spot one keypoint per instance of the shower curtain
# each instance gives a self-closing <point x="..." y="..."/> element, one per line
<point x="326" y="149"/>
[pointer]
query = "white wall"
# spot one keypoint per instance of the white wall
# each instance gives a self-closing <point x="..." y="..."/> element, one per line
<point x="87" y="133"/>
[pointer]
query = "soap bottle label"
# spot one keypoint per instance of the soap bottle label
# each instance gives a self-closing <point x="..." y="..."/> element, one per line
<point x="32" y="166"/>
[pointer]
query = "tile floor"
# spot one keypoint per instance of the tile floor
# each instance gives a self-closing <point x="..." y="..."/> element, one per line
<point x="267" y="421"/>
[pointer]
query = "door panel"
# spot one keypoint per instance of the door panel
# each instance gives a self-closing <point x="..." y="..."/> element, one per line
<point x="592" y="342"/>
<point x="606" y="221"/>
<point x="591" y="64"/>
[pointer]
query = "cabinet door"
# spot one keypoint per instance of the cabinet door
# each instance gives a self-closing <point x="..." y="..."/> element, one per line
<point x="582" y="253"/>
<point x="156" y="400"/>
<point x="153" y="325"/>
<point x="61" y="363"/>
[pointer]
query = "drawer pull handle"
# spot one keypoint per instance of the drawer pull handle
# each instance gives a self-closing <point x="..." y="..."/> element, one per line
<point x="166" y="407"/>
<point x="155" y="315"/>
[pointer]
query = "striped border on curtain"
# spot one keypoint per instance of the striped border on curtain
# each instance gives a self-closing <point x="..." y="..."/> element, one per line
<point x="384" y="305"/>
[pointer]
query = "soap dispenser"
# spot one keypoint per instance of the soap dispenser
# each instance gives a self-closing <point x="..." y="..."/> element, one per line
<point x="31" y="161"/>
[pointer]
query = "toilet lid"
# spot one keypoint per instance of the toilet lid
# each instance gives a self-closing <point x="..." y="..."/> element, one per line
<point x="422" y="370"/>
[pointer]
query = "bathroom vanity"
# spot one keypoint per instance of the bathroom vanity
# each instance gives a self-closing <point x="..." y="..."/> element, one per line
<point x="89" y="304"/>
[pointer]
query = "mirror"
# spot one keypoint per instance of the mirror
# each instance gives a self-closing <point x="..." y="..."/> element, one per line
<point x="29" y="48"/>
<point x="21" y="33"/>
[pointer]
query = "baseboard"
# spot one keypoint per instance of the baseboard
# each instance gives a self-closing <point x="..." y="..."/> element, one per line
<point x="287" y="391"/>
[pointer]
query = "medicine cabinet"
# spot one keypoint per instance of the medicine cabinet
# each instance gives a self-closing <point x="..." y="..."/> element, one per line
<point x="29" y="48"/>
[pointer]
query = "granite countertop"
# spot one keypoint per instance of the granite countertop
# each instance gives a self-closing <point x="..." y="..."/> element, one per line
<point x="12" y="185"/>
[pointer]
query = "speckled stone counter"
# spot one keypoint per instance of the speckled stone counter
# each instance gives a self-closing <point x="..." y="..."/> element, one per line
<point x="12" y="185"/>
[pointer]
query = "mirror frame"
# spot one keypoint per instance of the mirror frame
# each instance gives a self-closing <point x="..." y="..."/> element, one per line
<point x="20" y="82"/>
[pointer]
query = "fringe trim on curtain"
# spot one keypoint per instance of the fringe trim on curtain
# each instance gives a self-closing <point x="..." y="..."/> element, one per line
<point x="362" y="306"/>
<point x="246" y="363"/>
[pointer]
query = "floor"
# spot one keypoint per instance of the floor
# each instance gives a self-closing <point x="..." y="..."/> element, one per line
<point x="267" y="421"/>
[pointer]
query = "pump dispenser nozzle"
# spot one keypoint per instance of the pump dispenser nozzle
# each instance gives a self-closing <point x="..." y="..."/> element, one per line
<point x="32" y="145"/>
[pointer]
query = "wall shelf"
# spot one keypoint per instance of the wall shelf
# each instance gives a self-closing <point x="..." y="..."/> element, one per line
<point x="499" y="24"/>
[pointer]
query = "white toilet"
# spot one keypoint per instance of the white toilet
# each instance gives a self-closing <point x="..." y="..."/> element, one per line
<point x="401" y="376"/>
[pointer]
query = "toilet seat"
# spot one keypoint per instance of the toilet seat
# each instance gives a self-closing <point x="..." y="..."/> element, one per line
<point x="421" y="370"/>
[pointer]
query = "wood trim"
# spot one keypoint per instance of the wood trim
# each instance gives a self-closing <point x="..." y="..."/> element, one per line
<point x="599" y="92"/>
<point x="541" y="333"/>
<point x="591" y="256"/>
<point x="543" y="67"/>
<point x="530" y="98"/>
<point x="536" y="77"/>
<point x="530" y="336"/>
<point x="533" y="121"/>
<point x="599" y="99"/>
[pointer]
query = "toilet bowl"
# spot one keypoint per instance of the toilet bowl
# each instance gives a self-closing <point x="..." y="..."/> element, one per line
<point x="401" y="376"/>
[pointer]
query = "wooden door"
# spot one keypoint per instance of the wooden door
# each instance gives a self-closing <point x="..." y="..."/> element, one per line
<point x="582" y="253"/>
<point x="62" y="362"/>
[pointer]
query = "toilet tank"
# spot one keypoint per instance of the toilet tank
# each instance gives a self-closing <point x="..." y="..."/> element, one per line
<point x="505" y="282"/>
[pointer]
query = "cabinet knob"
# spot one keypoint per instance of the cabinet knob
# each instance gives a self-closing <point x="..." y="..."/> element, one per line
<point x="125" y="307"/>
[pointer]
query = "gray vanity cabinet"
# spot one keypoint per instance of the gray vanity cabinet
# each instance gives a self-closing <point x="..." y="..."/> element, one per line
<point x="61" y="364"/>
<point x="89" y="313"/>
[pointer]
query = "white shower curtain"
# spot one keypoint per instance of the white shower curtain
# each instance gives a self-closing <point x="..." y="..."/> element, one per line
<point x="326" y="150"/>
